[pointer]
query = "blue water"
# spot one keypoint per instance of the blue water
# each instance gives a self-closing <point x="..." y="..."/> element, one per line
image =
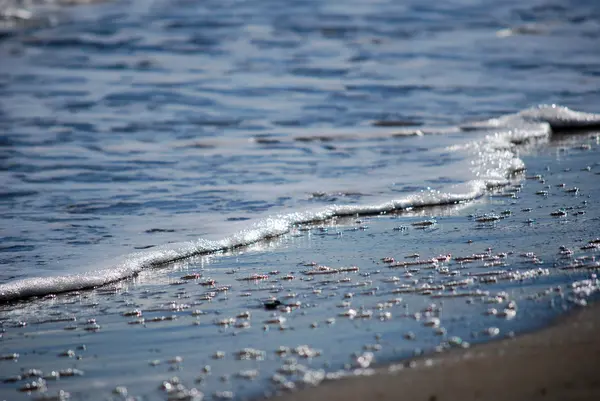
<point x="138" y="133"/>
<point x="128" y="125"/>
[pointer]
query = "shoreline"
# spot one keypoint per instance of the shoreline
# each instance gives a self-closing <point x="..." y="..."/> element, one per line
<point x="200" y="328"/>
<point x="557" y="362"/>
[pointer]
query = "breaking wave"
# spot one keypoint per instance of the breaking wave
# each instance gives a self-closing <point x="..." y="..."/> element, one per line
<point x="492" y="160"/>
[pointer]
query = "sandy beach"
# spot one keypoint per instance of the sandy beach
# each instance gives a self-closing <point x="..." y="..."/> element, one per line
<point x="560" y="362"/>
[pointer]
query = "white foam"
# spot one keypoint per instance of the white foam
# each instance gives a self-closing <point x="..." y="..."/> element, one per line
<point x="542" y="117"/>
<point x="491" y="161"/>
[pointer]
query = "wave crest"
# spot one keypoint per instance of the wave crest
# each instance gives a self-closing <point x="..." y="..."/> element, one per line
<point x="492" y="163"/>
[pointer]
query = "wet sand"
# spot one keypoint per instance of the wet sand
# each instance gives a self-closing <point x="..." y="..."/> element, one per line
<point x="560" y="362"/>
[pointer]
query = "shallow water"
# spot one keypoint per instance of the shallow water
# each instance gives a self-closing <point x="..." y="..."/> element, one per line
<point x="134" y="134"/>
<point x="504" y="264"/>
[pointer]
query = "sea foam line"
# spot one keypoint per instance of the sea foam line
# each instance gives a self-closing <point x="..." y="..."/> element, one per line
<point x="493" y="162"/>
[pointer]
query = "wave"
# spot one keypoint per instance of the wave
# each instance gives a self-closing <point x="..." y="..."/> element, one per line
<point x="492" y="160"/>
<point x="548" y="118"/>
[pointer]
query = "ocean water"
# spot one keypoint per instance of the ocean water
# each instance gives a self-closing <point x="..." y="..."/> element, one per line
<point x="159" y="145"/>
<point x="135" y="133"/>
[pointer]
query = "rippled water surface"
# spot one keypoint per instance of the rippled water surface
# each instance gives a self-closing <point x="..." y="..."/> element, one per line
<point x="130" y="124"/>
<point x="330" y="137"/>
